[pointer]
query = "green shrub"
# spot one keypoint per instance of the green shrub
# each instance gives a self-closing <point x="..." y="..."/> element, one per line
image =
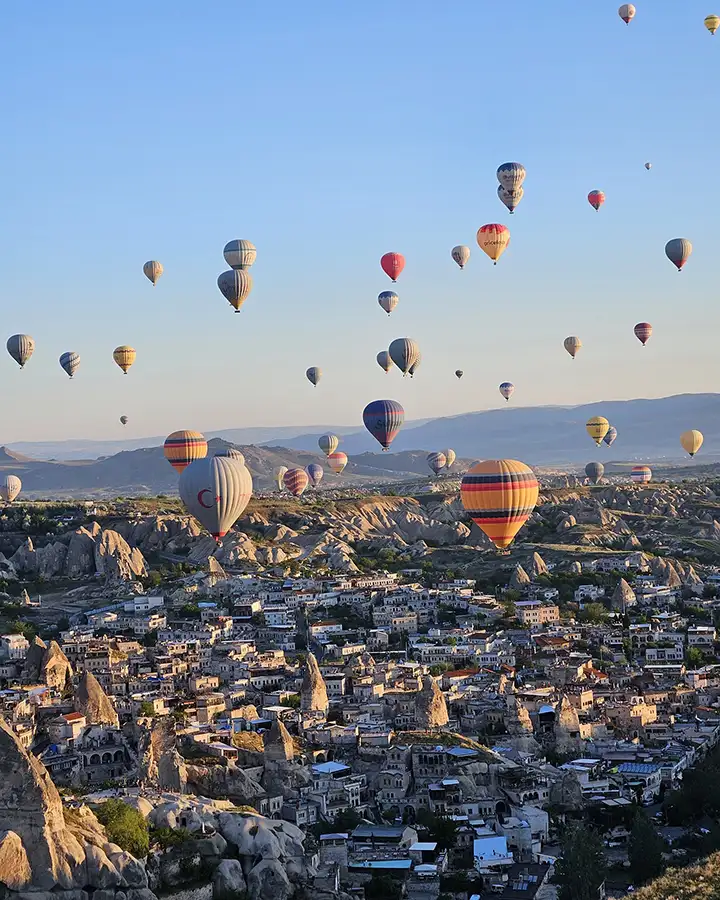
<point x="125" y="827"/>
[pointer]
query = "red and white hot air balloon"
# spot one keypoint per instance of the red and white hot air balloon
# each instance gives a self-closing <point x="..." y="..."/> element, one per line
<point x="596" y="199"/>
<point x="392" y="265"/>
<point x="643" y="332"/>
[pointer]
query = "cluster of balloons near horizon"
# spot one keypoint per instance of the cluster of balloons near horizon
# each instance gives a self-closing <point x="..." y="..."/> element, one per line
<point x="443" y="459"/>
<point x="627" y="13"/>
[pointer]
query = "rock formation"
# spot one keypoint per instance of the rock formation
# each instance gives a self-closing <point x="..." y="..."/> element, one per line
<point x="161" y="764"/>
<point x="519" y="578"/>
<point x="567" y="728"/>
<point x="55" y="670"/>
<point x="278" y="743"/>
<point x="313" y="694"/>
<point x="223" y="782"/>
<point x="34" y="660"/>
<point x="623" y="596"/>
<point x="430" y="706"/>
<point x="537" y="566"/>
<point x="92" y="701"/>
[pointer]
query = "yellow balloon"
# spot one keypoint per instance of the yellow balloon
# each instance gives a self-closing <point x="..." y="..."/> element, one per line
<point x="493" y="240"/>
<point x="691" y="441"/>
<point x="597" y="428"/>
<point x="712" y="23"/>
<point x="124" y="356"/>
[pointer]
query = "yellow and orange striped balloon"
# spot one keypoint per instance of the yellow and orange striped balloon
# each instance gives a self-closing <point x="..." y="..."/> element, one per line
<point x="183" y="447"/>
<point x="499" y="495"/>
<point x="124" y="356"/>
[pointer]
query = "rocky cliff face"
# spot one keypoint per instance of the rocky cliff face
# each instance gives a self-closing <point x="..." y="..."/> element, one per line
<point x="278" y="743"/>
<point x="430" y="706"/>
<point x="313" y="694"/>
<point x="161" y="765"/>
<point x="623" y="596"/>
<point x="33" y="660"/>
<point x="92" y="701"/>
<point x="55" y="669"/>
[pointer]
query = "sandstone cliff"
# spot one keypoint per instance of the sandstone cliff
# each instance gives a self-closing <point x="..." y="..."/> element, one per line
<point x="313" y="694"/>
<point x="92" y="701"/>
<point x="430" y="706"/>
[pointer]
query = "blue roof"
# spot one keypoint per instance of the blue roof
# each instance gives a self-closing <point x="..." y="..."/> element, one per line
<point x="635" y="768"/>
<point x="382" y="864"/>
<point x="329" y="768"/>
<point x="462" y="752"/>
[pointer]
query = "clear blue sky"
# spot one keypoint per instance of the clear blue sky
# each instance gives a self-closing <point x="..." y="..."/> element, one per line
<point x="329" y="133"/>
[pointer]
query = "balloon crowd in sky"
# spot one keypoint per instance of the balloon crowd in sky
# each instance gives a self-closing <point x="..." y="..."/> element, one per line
<point x="499" y="495"/>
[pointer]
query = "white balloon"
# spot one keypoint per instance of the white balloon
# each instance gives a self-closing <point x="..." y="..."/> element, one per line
<point x="216" y="491"/>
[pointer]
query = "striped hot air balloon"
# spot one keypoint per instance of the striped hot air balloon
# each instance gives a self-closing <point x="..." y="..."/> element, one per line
<point x="388" y="300"/>
<point x="10" y="487"/>
<point x="21" y="347"/>
<point x="499" y="495"/>
<point x="124" y="357"/>
<point x="404" y="352"/>
<point x="643" y="332"/>
<point x="216" y="491"/>
<point x="437" y="462"/>
<point x="641" y="474"/>
<point x="450" y="456"/>
<point x="315" y="473"/>
<point x="384" y="360"/>
<point x="383" y="419"/>
<point x="232" y="453"/>
<point x="594" y="471"/>
<point x="493" y="240"/>
<point x="235" y="286"/>
<point x="313" y="375"/>
<point x="183" y="447"/>
<point x="507" y="389"/>
<point x="610" y="436"/>
<point x="239" y="254"/>
<point x="296" y="480"/>
<point x="153" y="270"/>
<point x="70" y="362"/>
<point x="572" y="344"/>
<point x="511" y="175"/>
<point x="328" y="443"/>
<point x="596" y="199"/>
<point x="415" y="366"/>
<point x="712" y="23"/>
<point x="678" y="251"/>
<point x="392" y="265"/>
<point x="337" y="461"/>
<point x="597" y="427"/>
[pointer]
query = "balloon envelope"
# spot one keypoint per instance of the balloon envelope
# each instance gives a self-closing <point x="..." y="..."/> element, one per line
<point x="296" y="480"/>
<point x="383" y="419"/>
<point x="627" y="12"/>
<point x="678" y="251"/>
<point x="499" y="495"/>
<point x="124" y="356"/>
<point x="123" y="420"/>
<point x="436" y="461"/>
<point x="337" y="461"/>
<point x="415" y="366"/>
<point x="507" y="389"/>
<point x="392" y="264"/>
<point x="10" y="487"/>
<point x="239" y="254"/>
<point x="510" y="199"/>
<point x="232" y="453"/>
<point x="459" y="373"/>
<point x="643" y="332"/>
<point x="511" y="175"/>
<point x="572" y="344"/>
<point x="279" y="475"/>
<point x="21" y="347"/>
<point x="493" y="240"/>
<point x="216" y="490"/>
<point x="712" y="23"/>
<point x="641" y="474"/>
<point x="610" y="436"/>
<point x="153" y="270"/>
<point x="313" y="374"/>
<point x="315" y="473"/>
<point x="70" y="362"/>
<point x="388" y="300"/>
<point x="596" y="199"/>
<point x="597" y="428"/>
<point x="384" y="360"/>
<point x="404" y="352"/>
<point x="328" y="443"/>
<point x="450" y="456"/>
<point x="648" y="165"/>
<point x="183" y="447"/>
<point x="594" y="471"/>
<point x="461" y="254"/>
<point x="235" y="286"/>
<point x="691" y="441"/>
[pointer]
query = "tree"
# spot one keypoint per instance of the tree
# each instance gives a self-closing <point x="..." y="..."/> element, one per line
<point x="595" y="613"/>
<point x="694" y="657"/>
<point x="580" y="871"/>
<point x="147" y="709"/>
<point x="442" y="829"/>
<point x="645" y="849"/>
<point x="292" y="701"/>
<point x="125" y="826"/>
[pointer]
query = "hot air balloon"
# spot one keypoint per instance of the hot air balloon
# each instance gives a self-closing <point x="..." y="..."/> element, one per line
<point x="641" y="474"/>
<point x="499" y="495"/>
<point x="404" y="352"/>
<point x="124" y="420"/>
<point x="313" y="375"/>
<point x="21" y="347"/>
<point x="70" y="362"/>
<point x="279" y="475"/>
<point x="678" y="251"/>
<point x="153" y="270"/>
<point x="459" y="373"/>
<point x="610" y="436"/>
<point x="415" y="366"/>
<point x="296" y="480"/>
<point x="648" y="166"/>
<point x="450" y="456"/>
<point x="184" y="447"/>
<point x="383" y="419"/>
<point x="691" y="441"/>
<point x="510" y="199"/>
<point x="216" y="491"/>
<point x="511" y="175"/>
<point x="493" y="240"/>
<point x="437" y="462"/>
<point x="124" y="356"/>
<point x="315" y="473"/>
<point x="627" y="12"/>
<point x="392" y="265"/>
<point x="232" y="453"/>
<point x="461" y="254"/>
<point x="328" y="443"/>
<point x="643" y="332"/>
<point x="596" y="199"/>
<point x="388" y="300"/>
<point x="235" y="286"/>
<point x="384" y="360"/>
<point x="712" y="23"/>
<point x="572" y="344"/>
<point x="594" y="471"/>
<point x="507" y="389"/>
<point x="10" y="487"/>
<point x="597" y="428"/>
<point x="337" y="461"/>
<point x="239" y="254"/>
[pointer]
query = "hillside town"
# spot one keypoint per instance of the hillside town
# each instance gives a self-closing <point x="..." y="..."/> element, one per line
<point x="411" y="731"/>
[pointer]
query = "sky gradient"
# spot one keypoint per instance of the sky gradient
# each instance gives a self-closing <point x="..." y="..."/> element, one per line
<point x="329" y="133"/>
